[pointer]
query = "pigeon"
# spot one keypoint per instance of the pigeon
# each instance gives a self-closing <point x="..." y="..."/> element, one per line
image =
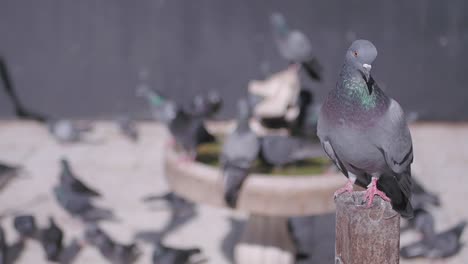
<point x="7" y="173"/>
<point x="280" y="150"/>
<point x="207" y="106"/>
<point x="421" y="197"/>
<point x="182" y="211"/>
<point x="294" y="46"/>
<point x="9" y="253"/>
<point x="79" y="205"/>
<point x="188" y="129"/>
<point x="71" y="251"/>
<point x="115" y="252"/>
<point x="66" y="130"/>
<point x="70" y="180"/>
<point x="305" y="125"/>
<point x="3" y="247"/>
<point x="365" y="133"/>
<point x="423" y="222"/>
<point x="163" y="254"/>
<point x="52" y="241"/>
<point x="239" y="152"/>
<point x="128" y="128"/>
<point x="25" y="225"/>
<point x="442" y="245"/>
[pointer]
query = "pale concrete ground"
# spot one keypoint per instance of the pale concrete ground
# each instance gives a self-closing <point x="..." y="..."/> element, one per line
<point x="125" y="172"/>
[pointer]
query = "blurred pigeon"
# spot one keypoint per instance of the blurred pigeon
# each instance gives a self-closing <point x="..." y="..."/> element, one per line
<point x="442" y="245"/>
<point x="71" y="181"/>
<point x="305" y="125"/>
<point x="163" y="254"/>
<point x="128" y="128"/>
<point x="71" y="251"/>
<point x="7" y="173"/>
<point x="239" y="152"/>
<point x="187" y="128"/>
<point x="280" y="150"/>
<point x="25" y="225"/>
<point x="208" y="105"/>
<point x="294" y="46"/>
<point x="3" y="247"/>
<point x="365" y="133"/>
<point x="421" y="197"/>
<point x="7" y="83"/>
<point x="182" y="211"/>
<point x="67" y="131"/>
<point x="10" y="253"/>
<point x="115" y="252"/>
<point x="79" y="205"/>
<point x="423" y="222"/>
<point x="52" y="240"/>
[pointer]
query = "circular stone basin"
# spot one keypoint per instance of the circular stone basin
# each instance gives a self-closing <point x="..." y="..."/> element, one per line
<point x="261" y="194"/>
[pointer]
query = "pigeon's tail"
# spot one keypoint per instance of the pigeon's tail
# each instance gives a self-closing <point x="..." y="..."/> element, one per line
<point x="458" y="229"/>
<point x="313" y="69"/>
<point x="398" y="189"/>
<point x="414" y="250"/>
<point x="233" y="178"/>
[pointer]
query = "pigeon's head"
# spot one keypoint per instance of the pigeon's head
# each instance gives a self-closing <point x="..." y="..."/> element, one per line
<point x="278" y="22"/>
<point x="361" y="54"/>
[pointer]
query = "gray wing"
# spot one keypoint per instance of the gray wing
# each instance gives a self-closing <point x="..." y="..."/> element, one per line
<point x="395" y="141"/>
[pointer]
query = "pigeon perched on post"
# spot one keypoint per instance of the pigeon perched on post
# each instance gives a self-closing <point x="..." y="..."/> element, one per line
<point x="239" y="152"/>
<point x="365" y="133"/>
<point x="442" y="245"/>
<point x="69" y="179"/>
<point x="52" y="240"/>
<point x="163" y="254"/>
<point x="294" y="46"/>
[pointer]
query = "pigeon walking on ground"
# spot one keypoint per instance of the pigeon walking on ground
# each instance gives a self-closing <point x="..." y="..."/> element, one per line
<point x="25" y="225"/>
<point x="239" y="152"/>
<point x="68" y="131"/>
<point x="163" y="254"/>
<point x="7" y="173"/>
<point x="365" y="133"/>
<point x="295" y="47"/>
<point x="52" y="240"/>
<point x="70" y="180"/>
<point x="128" y="128"/>
<point x="279" y="150"/>
<point x="113" y="251"/>
<point x="188" y="129"/>
<point x="423" y="222"/>
<point x="81" y="206"/>
<point x="442" y="245"/>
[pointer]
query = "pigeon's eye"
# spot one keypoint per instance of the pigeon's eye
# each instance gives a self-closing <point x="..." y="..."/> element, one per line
<point x="355" y="53"/>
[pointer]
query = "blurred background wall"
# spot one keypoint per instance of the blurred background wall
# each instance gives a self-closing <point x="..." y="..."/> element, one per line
<point x="85" y="58"/>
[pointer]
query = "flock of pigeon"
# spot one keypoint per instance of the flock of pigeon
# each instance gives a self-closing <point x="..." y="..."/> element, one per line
<point x="77" y="199"/>
<point x="362" y="130"/>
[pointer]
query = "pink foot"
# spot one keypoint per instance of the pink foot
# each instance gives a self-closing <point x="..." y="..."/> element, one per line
<point x="373" y="191"/>
<point x="347" y="188"/>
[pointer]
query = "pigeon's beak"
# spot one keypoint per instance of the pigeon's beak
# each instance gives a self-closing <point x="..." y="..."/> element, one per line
<point x="366" y="71"/>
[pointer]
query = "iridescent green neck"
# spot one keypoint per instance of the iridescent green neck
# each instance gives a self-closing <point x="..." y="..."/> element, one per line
<point x="355" y="88"/>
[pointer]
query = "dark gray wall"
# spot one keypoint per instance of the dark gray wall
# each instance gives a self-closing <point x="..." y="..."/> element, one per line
<point x="85" y="58"/>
